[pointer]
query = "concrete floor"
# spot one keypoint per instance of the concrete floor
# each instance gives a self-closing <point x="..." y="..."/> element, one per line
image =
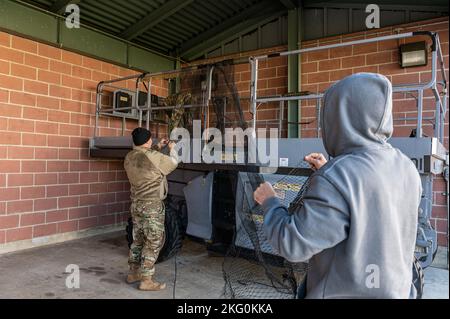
<point x="102" y="260"/>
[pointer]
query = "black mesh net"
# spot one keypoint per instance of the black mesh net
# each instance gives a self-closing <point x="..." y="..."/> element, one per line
<point x="188" y="93"/>
<point x="226" y="106"/>
<point x="251" y="268"/>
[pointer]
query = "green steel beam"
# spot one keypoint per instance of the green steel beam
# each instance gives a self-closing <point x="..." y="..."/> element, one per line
<point x="293" y="25"/>
<point x="165" y="11"/>
<point x="20" y="19"/>
<point x="93" y="43"/>
<point x="43" y="26"/>
<point x="140" y="59"/>
<point x="59" y="6"/>
<point x="230" y="34"/>
<point x="289" y="4"/>
<point x="191" y="45"/>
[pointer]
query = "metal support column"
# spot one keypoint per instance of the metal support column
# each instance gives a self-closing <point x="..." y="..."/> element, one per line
<point x="419" y="113"/>
<point x="253" y="90"/>
<point x="293" y="72"/>
<point x="136" y="102"/>
<point x="149" y="103"/>
<point x="280" y="119"/>
<point x="318" y="110"/>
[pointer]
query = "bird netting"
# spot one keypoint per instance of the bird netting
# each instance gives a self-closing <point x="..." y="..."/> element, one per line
<point x="204" y="92"/>
<point x="252" y="269"/>
<point x="226" y="102"/>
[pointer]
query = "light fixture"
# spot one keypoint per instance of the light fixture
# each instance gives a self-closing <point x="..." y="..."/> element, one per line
<point x="413" y="54"/>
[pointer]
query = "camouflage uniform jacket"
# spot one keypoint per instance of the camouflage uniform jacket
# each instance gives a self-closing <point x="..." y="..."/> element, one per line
<point x="146" y="170"/>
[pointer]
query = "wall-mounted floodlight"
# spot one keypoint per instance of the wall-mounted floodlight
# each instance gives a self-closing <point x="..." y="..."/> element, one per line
<point x="413" y="54"/>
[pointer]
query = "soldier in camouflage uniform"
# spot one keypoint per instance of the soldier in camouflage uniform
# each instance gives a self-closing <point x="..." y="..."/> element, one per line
<point x="146" y="169"/>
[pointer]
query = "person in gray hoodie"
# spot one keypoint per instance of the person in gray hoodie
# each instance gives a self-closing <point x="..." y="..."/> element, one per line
<point x="357" y="226"/>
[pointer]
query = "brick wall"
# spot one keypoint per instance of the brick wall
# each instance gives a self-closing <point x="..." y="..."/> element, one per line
<point x="48" y="184"/>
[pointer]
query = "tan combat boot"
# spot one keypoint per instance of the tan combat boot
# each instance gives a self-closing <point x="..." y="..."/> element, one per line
<point x="148" y="284"/>
<point x="134" y="274"/>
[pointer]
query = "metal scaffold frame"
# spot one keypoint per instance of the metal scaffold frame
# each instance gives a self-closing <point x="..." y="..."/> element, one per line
<point x="147" y="108"/>
<point x="438" y="87"/>
<point x="426" y="243"/>
<point x="427" y="153"/>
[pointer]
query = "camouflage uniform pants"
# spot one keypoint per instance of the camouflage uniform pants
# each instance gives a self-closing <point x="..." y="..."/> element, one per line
<point x="148" y="234"/>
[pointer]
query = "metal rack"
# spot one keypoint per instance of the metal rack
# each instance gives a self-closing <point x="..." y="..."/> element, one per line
<point x="144" y="112"/>
<point x="438" y="87"/>
<point x="428" y="153"/>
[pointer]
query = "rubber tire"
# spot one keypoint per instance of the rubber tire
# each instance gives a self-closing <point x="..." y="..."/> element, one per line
<point x="173" y="234"/>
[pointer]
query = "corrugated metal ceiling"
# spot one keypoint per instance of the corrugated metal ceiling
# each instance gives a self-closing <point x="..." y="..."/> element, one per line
<point x="181" y="20"/>
<point x="168" y="25"/>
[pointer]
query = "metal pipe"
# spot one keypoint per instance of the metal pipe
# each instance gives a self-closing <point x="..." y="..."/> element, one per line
<point x="318" y="106"/>
<point x="437" y="115"/>
<point x="444" y="101"/>
<point x="170" y="107"/>
<point x="119" y="88"/>
<point x="149" y="102"/>
<point x="441" y="59"/>
<point x="364" y="41"/>
<point x="136" y="101"/>
<point x="419" y="114"/>
<point x="338" y="45"/>
<point x="253" y="89"/>
<point x="289" y="98"/>
<point x="426" y="118"/>
<point x="320" y="95"/>
<point x="124" y="115"/>
<point x="97" y="107"/>
<point x="280" y="118"/>
<point x="210" y="81"/>
<point x="111" y="109"/>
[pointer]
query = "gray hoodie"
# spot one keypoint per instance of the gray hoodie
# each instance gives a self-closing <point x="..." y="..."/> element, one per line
<point x="358" y="224"/>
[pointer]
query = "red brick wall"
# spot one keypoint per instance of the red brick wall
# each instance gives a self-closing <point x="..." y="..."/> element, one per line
<point x="48" y="184"/>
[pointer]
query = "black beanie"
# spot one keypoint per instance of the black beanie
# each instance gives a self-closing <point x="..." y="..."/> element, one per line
<point x="141" y="136"/>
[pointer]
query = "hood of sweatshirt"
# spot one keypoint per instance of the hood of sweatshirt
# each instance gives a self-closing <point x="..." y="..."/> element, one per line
<point x="357" y="113"/>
